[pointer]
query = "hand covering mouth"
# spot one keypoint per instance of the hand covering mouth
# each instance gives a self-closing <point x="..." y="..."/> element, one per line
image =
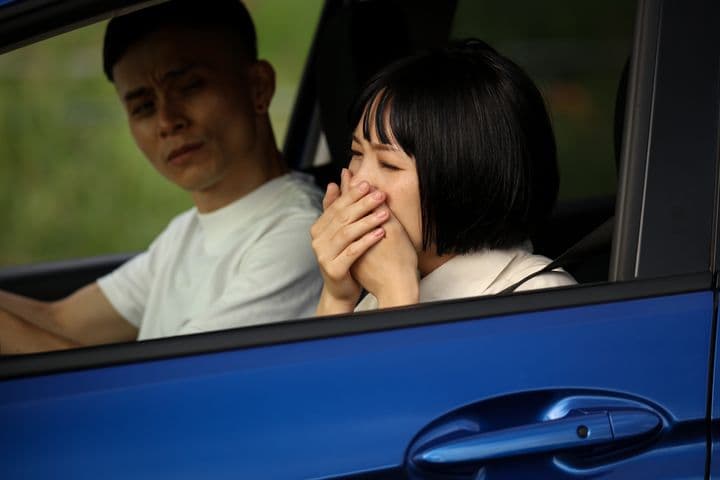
<point x="188" y="147"/>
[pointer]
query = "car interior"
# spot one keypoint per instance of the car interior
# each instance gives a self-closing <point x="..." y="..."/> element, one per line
<point x="416" y="26"/>
<point x="347" y="49"/>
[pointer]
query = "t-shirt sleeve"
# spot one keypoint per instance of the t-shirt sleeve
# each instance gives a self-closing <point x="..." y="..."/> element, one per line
<point x="127" y="288"/>
<point x="277" y="279"/>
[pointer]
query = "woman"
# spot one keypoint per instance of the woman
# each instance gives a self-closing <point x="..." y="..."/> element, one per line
<point x="453" y="164"/>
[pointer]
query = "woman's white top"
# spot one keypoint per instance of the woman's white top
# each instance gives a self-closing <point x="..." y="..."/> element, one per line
<point x="483" y="273"/>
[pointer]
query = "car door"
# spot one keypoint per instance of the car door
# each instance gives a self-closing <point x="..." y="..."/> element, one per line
<point x="607" y="380"/>
<point x="389" y="394"/>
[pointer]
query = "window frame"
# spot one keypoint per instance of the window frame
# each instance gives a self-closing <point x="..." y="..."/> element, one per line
<point x="28" y="21"/>
<point x="664" y="208"/>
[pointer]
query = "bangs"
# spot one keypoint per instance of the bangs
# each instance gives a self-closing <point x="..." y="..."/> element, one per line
<point x="387" y="108"/>
<point x="379" y="108"/>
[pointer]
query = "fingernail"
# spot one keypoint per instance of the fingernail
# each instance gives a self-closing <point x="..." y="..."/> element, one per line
<point x="363" y="187"/>
<point x="379" y="232"/>
<point x="377" y="195"/>
<point x="381" y="214"/>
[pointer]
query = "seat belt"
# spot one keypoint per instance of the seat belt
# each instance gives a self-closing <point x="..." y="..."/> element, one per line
<point x="590" y="243"/>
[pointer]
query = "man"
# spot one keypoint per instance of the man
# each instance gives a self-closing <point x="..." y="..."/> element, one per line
<point x="197" y="103"/>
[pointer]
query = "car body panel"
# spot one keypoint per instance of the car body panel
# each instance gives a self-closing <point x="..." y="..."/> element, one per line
<point x="714" y="407"/>
<point x="338" y="406"/>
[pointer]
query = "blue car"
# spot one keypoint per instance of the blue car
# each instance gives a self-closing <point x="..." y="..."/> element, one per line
<point x="614" y="378"/>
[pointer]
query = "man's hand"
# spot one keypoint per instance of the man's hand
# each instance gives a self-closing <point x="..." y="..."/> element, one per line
<point x="84" y="318"/>
<point x="19" y="336"/>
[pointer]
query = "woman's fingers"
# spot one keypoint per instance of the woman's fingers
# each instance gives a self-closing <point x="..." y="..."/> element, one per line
<point x="342" y="263"/>
<point x="344" y="180"/>
<point x="331" y="194"/>
<point x="348" y="208"/>
<point x="351" y="191"/>
<point x="353" y="231"/>
<point x="328" y="247"/>
<point x="355" y="212"/>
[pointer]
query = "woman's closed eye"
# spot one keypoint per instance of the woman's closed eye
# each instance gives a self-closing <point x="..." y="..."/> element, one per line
<point x="354" y="155"/>
<point x="389" y="166"/>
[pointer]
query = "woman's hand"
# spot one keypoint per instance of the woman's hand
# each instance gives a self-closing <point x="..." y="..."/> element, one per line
<point x="389" y="269"/>
<point x="348" y="227"/>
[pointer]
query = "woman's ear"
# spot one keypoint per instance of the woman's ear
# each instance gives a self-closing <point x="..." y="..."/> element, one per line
<point x="262" y="80"/>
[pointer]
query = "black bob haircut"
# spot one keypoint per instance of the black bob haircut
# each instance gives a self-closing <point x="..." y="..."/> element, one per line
<point x="481" y="138"/>
<point x="229" y="15"/>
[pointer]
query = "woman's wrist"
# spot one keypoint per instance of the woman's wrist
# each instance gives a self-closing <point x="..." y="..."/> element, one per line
<point x="400" y="293"/>
<point x="331" y="305"/>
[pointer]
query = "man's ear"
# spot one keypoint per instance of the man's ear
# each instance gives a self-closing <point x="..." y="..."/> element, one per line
<point x="262" y="78"/>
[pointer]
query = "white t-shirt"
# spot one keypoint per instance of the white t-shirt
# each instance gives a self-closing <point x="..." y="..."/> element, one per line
<point x="247" y="263"/>
<point x="483" y="273"/>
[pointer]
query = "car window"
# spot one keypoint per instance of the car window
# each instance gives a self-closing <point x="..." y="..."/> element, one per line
<point x="72" y="183"/>
<point x="576" y="53"/>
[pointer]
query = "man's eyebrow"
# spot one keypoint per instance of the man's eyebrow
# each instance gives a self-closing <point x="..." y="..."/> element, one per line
<point x="178" y="72"/>
<point x="138" y="92"/>
<point x="169" y="75"/>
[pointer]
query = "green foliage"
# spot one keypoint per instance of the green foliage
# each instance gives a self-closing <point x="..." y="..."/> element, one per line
<point x="575" y="51"/>
<point x="72" y="182"/>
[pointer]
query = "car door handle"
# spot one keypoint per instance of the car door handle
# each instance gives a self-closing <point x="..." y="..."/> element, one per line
<point x="576" y="430"/>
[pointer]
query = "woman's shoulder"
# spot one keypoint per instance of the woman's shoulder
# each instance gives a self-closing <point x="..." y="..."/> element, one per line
<point x="528" y="263"/>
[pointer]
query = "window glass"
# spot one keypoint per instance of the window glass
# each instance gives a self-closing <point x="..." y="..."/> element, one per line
<point x="72" y="183"/>
<point x="575" y="52"/>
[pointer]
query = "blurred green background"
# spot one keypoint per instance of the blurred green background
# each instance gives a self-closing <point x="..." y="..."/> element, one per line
<point x="73" y="184"/>
<point x="575" y="52"/>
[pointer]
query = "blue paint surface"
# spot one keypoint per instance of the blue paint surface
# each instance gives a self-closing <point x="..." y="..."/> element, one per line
<point x="715" y="424"/>
<point x="331" y="407"/>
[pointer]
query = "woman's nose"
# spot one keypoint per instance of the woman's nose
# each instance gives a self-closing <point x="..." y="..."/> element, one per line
<point x="363" y="173"/>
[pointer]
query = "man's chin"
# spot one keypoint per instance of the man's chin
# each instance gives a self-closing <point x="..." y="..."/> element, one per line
<point x="192" y="180"/>
<point x="197" y="186"/>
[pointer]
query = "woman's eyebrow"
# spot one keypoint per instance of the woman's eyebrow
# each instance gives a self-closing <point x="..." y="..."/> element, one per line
<point x="385" y="146"/>
<point x="379" y="146"/>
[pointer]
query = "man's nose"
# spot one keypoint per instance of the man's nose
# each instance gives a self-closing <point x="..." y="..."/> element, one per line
<point x="171" y="118"/>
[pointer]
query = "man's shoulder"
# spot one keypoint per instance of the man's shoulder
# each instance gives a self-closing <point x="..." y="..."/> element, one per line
<point x="297" y="196"/>
<point x="300" y="189"/>
<point x="180" y="222"/>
